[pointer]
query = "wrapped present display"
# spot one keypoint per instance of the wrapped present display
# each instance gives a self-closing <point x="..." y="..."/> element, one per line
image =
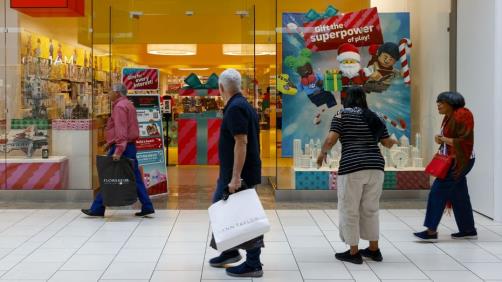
<point x="313" y="15"/>
<point x="198" y="136"/>
<point x="196" y="88"/>
<point x="35" y="174"/>
<point x="332" y="81"/>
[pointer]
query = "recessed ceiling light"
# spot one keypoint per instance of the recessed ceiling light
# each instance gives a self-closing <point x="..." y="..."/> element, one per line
<point x="247" y="49"/>
<point x="242" y="13"/>
<point x="192" y="69"/>
<point x="172" y="49"/>
<point x="189" y="13"/>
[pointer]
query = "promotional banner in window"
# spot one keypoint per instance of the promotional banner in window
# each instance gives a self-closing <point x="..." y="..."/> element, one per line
<point x="150" y="145"/>
<point x="140" y="79"/>
<point x="325" y="54"/>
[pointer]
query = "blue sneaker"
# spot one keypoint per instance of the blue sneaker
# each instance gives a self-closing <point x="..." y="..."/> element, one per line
<point x="225" y="258"/>
<point x="424" y="235"/>
<point x="245" y="270"/>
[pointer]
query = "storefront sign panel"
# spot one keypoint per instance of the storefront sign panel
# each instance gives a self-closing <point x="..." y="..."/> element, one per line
<point x="138" y="79"/>
<point x="360" y="28"/>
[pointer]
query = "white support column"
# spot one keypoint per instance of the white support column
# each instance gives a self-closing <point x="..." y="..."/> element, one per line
<point x="497" y="109"/>
<point x="479" y="80"/>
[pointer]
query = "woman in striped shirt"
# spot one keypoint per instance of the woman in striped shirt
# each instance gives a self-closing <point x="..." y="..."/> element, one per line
<point x="360" y="175"/>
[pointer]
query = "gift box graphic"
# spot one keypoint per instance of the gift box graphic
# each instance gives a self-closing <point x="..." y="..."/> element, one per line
<point x="196" y="88"/>
<point x="332" y="81"/>
<point x="198" y="136"/>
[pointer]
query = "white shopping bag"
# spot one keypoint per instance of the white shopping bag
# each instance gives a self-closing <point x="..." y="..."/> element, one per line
<point x="238" y="219"/>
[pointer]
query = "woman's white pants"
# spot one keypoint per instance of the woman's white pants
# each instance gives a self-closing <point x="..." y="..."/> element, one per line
<point x="358" y="204"/>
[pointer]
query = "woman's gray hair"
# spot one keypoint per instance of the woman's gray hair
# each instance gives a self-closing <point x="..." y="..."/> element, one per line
<point x="231" y="80"/>
<point x="120" y="88"/>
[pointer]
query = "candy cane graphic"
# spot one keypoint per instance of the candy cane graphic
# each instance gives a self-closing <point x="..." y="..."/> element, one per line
<point x="403" y="44"/>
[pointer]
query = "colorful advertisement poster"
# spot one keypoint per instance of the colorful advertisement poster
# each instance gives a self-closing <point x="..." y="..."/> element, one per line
<point x="147" y="115"/>
<point x="139" y="79"/>
<point x="150" y="145"/>
<point x="150" y="129"/>
<point x="150" y="157"/>
<point x="359" y="28"/>
<point x="315" y="81"/>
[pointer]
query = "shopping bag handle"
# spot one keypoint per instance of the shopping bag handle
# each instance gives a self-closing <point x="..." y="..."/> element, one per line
<point x="227" y="194"/>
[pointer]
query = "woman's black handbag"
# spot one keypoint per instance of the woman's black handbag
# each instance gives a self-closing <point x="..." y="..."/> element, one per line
<point x="117" y="181"/>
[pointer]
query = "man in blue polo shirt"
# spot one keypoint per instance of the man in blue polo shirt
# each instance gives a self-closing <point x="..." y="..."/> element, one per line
<point x="239" y="153"/>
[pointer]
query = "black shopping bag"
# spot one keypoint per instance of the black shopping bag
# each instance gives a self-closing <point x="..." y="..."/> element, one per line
<point x="117" y="181"/>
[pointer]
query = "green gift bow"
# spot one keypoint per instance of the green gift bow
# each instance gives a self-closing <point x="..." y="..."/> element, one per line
<point x="193" y="82"/>
<point x="312" y="15"/>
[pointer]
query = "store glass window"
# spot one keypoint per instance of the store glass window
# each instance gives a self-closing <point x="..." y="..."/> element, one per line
<point x="47" y="97"/>
<point x="325" y="47"/>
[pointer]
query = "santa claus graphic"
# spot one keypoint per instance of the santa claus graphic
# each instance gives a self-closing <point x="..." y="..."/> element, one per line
<point x="350" y="67"/>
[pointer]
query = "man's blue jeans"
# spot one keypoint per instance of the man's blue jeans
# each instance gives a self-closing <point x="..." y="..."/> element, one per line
<point x="146" y="204"/>
<point x="252" y="255"/>
<point x="453" y="190"/>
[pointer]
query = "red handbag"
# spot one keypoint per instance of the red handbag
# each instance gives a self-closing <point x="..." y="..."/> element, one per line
<point x="440" y="164"/>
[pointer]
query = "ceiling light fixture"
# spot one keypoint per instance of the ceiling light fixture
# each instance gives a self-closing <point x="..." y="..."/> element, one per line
<point x="192" y="69"/>
<point x="172" y="49"/>
<point x="242" y="13"/>
<point x="247" y="49"/>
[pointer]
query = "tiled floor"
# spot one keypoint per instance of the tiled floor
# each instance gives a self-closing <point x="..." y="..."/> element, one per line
<point x="64" y="245"/>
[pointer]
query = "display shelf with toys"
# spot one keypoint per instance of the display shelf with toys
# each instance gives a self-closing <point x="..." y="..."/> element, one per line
<point x="403" y="166"/>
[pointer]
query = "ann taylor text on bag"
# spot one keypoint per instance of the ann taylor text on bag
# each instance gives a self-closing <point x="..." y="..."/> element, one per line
<point x="238" y="219"/>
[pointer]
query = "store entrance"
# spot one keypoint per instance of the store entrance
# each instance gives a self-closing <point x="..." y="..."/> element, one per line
<point x="189" y="47"/>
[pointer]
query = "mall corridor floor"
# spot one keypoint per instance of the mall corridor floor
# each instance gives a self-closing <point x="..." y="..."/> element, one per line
<point x="64" y="245"/>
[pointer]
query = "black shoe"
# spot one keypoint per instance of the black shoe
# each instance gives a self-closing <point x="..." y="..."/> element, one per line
<point x="424" y="235"/>
<point x="374" y="255"/>
<point x="90" y="213"/>
<point x="224" y="259"/>
<point x="346" y="256"/>
<point x="465" y="235"/>
<point x="144" y="213"/>
<point x="244" y="270"/>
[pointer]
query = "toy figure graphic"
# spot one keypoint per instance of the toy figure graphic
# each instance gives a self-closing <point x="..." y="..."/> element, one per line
<point x="350" y="67"/>
<point x="381" y="69"/>
<point x="51" y="50"/>
<point x="311" y="83"/>
<point x="285" y="86"/>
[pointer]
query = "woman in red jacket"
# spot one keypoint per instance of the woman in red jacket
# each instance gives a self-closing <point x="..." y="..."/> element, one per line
<point x="458" y="137"/>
